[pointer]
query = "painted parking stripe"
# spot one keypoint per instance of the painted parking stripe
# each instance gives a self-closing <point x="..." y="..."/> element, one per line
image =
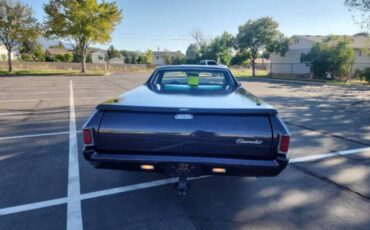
<point x="107" y="192"/>
<point x="34" y="112"/>
<point x="127" y="188"/>
<point x="30" y="93"/>
<point x="326" y="155"/>
<point x="43" y="112"/>
<point x="61" y="92"/>
<point x="34" y="135"/>
<point x="134" y="187"/>
<point x="74" y="215"/>
<point x="32" y="206"/>
<point x="50" y="99"/>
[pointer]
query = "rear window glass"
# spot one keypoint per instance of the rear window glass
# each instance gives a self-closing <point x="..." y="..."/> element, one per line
<point x="193" y="77"/>
<point x="212" y="63"/>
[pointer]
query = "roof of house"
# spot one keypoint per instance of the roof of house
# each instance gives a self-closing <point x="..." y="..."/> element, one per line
<point x="358" y="42"/>
<point x="55" y="51"/>
<point x="97" y="51"/>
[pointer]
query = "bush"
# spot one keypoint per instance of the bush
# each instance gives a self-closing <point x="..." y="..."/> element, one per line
<point x="365" y="74"/>
<point x="76" y="57"/>
<point x="333" y="56"/>
<point x="59" y="58"/>
<point x="68" y="57"/>
<point x="49" y="59"/>
<point x="26" y="57"/>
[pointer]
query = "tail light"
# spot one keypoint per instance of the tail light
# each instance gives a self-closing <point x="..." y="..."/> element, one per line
<point x="88" y="137"/>
<point x="284" y="144"/>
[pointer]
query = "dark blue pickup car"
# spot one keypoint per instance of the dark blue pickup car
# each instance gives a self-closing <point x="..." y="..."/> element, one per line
<point x="188" y="120"/>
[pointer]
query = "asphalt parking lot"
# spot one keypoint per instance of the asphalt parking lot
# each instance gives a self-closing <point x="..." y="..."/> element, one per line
<point x="42" y="185"/>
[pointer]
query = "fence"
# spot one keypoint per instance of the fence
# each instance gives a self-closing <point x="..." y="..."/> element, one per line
<point x="69" y="66"/>
<point x="289" y="69"/>
<point x="302" y="70"/>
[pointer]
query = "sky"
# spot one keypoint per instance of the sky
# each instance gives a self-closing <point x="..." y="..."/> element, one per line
<point x="168" y="24"/>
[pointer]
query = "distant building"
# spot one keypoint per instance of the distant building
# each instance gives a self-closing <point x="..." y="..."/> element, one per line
<point x="4" y="54"/>
<point x="290" y="63"/>
<point x="98" y="56"/>
<point x="163" y="57"/>
<point x="51" y="53"/>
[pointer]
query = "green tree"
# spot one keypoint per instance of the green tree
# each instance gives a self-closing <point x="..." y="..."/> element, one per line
<point x="148" y="57"/>
<point x="82" y="23"/>
<point x="140" y="59"/>
<point x="364" y="7"/>
<point x="133" y="58"/>
<point x="279" y="46"/>
<point x="240" y="58"/>
<point x="112" y="53"/>
<point x="202" y="43"/>
<point x="68" y="57"/>
<point x="127" y="59"/>
<point x="17" y="24"/>
<point x="179" y="58"/>
<point x="365" y="74"/>
<point x="59" y="58"/>
<point x="333" y="56"/>
<point x="192" y="53"/>
<point x="31" y="50"/>
<point x="220" y="48"/>
<point x="258" y="36"/>
<point x="26" y="57"/>
<point x="77" y="57"/>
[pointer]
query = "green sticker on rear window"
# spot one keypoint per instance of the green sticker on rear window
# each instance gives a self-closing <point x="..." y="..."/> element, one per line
<point x="193" y="80"/>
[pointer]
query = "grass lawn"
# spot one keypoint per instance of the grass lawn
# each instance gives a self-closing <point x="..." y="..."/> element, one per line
<point x="248" y="73"/>
<point x="263" y="73"/>
<point x="45" y="73"/>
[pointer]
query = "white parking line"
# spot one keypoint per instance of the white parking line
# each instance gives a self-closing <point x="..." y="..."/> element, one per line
<point x="326" y="155"/>
<point x="74" y="216"/>
<point x="30" y="93"/>
<point x="123" y="189"/>
<point x="133" y="187"/>
<point x="61" y="92"/>
<point x="51" y="99"/>
<point x="151" y="184"/>
<point x="32" y="206"/>
<point x="34" y="135"/>
<point x="34" y="112"/>
<point x="44" y="112"/>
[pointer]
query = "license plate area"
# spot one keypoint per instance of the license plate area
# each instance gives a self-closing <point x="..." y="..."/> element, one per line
<point x="183" y="167"/>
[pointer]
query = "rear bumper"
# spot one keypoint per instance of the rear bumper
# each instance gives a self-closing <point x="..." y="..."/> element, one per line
<point x="197" y="165"/>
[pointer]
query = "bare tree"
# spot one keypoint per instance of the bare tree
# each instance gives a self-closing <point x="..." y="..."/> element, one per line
<point x="362" y="6"/>
<point x="201" y="41"/>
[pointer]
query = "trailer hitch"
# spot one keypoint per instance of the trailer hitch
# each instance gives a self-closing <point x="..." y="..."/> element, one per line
<point x="182" y="185"/>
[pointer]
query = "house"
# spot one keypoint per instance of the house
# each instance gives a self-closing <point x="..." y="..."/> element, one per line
<point x="163" y="57"/>
<point x="98" y="56"/>
<point x="290" y="63"/>
<point x="4" y="54"/>
<point x="52" y="53"/>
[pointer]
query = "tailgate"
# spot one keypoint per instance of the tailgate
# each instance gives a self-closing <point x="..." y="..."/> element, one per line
<point x="218" y="135"/>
